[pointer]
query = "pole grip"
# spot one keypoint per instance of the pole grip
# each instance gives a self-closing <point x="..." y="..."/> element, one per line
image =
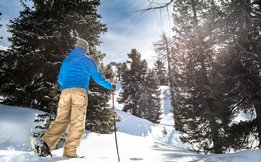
<point x="113" y="93"/>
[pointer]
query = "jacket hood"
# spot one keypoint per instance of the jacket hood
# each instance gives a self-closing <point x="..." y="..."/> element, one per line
<point x="77" y="52"/>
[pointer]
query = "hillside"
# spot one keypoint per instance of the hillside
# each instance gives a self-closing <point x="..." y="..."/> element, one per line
<point x="138" y="139"/>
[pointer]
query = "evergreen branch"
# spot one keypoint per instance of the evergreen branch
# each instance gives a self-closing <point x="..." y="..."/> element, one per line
<point x="245" y="51"/>
<point x="252" y="10"/>
<point x="237" y="104"/>
<point x="244" y="99"/>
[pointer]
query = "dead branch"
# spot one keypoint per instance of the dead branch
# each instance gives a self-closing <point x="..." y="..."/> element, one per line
<point x="155" y="5"/>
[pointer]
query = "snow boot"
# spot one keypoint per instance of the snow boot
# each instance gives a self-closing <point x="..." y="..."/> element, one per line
<point x="40" y="148"/>
<point x="43" y="150"/>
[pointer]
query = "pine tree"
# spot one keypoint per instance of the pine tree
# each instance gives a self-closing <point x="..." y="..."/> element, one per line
<point x="229" y="32"/>
<point x="241" y="37"/>
<point x="2" y="61"/>
<point x="214" y="84"/>
<point x="120" y="69"/>
<point x="200" y="112"/>
<point x="99" y="114"/>
<point x="41" y="37"/>
<point x="140" y="92"/>
<point x="160" y="70"/>
<point x="41" y="124"/>
<point x="151" y="96"/>
<point x="164" y="48"/>
<point x="132" y="86"/>
<point x="1" y="25"/>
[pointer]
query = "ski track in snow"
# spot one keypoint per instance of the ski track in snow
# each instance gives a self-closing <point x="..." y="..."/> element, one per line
<point x="138" y="140"/>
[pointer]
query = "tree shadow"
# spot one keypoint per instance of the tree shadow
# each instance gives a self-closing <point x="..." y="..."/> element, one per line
<point x="173" y="153"/>
<point x="134" y="126"/>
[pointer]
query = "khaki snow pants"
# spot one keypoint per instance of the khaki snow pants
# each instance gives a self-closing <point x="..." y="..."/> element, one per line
<point x="71" y="112"/>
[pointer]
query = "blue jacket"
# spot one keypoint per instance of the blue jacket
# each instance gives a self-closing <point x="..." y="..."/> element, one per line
<point x="77" y="69"/>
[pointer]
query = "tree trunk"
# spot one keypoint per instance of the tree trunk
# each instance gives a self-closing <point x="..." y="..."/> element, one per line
<point x="168" y="50"/>
<point x="217" y="145"/>
<point x="258" y="122"/>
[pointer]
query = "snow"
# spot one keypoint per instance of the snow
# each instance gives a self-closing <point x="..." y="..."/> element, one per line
<point x="243" y="116"/>
<point x="138" y="140"/>
<point x="3" y="47"/>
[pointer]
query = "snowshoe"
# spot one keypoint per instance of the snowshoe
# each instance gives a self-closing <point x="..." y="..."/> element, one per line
<point x="40" y="148"/>
<point x="80" y="157"/>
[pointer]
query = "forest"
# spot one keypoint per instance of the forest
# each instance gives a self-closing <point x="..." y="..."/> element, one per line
<point x="212" y="65"/>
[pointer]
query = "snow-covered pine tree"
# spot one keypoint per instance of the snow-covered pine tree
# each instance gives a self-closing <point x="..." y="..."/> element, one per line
<point x="42" y="36"/>
<point x="41" y="124"/>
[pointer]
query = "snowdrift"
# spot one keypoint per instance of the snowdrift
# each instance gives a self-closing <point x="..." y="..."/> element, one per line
<point x="138" y="139"/>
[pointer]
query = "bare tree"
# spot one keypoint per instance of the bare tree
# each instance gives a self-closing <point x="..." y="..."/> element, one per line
<point x="158" y="4"/>
<point x="163" y="48"/>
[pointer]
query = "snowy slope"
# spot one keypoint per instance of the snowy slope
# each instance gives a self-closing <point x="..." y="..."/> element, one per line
<point x="138" y="139"/>
<point x="15" y="126"/>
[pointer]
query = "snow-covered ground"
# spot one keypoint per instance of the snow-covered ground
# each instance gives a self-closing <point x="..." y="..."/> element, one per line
<point x="138" y="139"/>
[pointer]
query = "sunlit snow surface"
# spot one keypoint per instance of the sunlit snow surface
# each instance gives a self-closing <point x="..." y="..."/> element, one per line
<point x="138" y="140"/>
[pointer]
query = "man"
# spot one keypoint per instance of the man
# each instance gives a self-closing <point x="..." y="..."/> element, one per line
<point x="73" y="78"/>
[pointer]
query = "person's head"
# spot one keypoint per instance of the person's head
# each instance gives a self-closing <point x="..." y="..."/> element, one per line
<point x="81" y="43"/>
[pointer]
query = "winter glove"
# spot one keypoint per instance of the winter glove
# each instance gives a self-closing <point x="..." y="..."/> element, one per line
<point x="113" y="87"/>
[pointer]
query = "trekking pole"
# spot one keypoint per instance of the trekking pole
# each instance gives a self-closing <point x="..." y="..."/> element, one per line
<point x="114" y="122"/>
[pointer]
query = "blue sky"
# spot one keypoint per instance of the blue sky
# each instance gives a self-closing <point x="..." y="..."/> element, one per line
<point x="127" y="28"/>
